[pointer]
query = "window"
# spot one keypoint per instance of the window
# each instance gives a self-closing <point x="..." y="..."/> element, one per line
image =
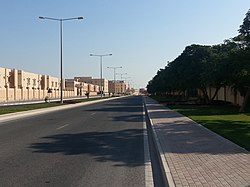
<point x="28" y="81"/>
<point x="34" y="82"/>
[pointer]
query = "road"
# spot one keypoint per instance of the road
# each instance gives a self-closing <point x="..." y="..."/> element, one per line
<point x="95" y="145"/>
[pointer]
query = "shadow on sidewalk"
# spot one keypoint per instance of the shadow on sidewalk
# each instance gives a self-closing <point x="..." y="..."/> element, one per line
<point x="188" y="137"/>
<point x="180" y="134"/>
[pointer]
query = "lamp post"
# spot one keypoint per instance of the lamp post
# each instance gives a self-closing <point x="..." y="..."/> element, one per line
<point x="121" y="75"/>
<point x="126" y="78"/>
<point x="102" y="55"/>
<point x="61" y="47"/>
<point x="114" y="68"/>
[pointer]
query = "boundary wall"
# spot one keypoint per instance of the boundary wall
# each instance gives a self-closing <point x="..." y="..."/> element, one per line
<point x="18" y="85"/>
<point x="226" y="94"/>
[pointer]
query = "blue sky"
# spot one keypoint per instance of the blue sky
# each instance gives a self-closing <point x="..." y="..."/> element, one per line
<point x="142" y="35"/>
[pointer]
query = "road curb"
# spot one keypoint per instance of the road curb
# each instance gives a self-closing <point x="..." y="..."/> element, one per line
<point x="161" y="156"/>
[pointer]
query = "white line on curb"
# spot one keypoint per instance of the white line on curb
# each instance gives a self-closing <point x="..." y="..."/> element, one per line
<point x="149" y="181"/>
<point x="162" y="155"/>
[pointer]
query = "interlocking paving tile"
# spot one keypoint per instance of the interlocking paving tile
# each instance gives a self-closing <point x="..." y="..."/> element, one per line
<point x="195" y="155"/>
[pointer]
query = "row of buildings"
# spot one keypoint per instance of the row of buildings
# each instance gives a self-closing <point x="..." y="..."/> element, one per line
<point x="18" y="85"/>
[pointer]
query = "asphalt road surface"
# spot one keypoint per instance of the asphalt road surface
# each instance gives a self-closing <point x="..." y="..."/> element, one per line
<point x="94" y="145"/>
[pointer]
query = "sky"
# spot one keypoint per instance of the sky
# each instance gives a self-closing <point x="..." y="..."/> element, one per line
<point x="142" y="35"/>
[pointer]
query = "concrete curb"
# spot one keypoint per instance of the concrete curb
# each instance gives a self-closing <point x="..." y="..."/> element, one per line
<point x="149" y="180"/>
<point x="161" y="156"/>
<point x="35" y="112"/>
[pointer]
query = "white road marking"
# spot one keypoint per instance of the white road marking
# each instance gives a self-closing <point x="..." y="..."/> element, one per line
<point x="93" y="114"/>
<point x="63" y="126"/>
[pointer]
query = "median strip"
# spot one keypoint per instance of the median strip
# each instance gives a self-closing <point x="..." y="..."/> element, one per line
<point x="29" y="113"/>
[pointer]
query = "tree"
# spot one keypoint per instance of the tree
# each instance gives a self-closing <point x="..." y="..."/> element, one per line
<point x="244" y="31"/>
<point x="201" y="67"/>
<point x="194" y="69"/>
<point x="242" y="74"/>
<point x="157" y="84"/>
<point x="196" y="65"/>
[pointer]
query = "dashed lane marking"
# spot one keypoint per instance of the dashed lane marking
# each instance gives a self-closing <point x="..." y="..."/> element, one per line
<point x="62" y="126"/>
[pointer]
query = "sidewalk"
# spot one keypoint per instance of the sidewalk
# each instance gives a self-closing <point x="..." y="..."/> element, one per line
<point x="194" y="155"/>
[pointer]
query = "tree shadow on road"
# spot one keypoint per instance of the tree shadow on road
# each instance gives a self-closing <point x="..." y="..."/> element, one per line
<point x="102" y="146"/>
<point x="130" y="104"/>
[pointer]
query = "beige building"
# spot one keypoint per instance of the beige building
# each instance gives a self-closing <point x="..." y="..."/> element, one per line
<point x="18" y="85"/>
<point x="117" y="87"/>
<point x="90" y="80"/>
<point x="81" y="88"/>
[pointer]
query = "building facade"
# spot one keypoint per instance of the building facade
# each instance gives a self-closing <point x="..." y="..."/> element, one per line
<point x="18" y="85"/>
<point x="117" y="87"/>
<point x="90" y="80"/>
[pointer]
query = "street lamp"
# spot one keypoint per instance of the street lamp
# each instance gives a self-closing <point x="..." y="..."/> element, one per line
<point x="121" y="75"/>
<point x="126" y="78"/>
<point x="101" y="90"/>
<point x="61" y="46"/>
<point x="114" y="68"/>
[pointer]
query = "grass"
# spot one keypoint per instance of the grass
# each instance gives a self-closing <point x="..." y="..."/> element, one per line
<point x="163" y="99"/>
<point x="20" y="108"/>
<point x="222" y="119"/>
<point x="12" y="109"/>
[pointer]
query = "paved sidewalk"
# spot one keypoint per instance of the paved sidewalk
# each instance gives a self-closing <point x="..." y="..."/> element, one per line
<point x="196" y="156"/>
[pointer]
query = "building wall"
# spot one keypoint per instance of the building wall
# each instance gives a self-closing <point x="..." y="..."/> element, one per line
<point x="105" y="86"/>
<point x="27" y="80"/>
<point x="2" y="78"/>
<point x="18" y="85"/>
<point x="91" y="88"/>
<point x="118" y="87"/>
<point x="83" y="79"/>
<point x="97" y="88"/>
<point x="111" y="87"/>
<point x="226" y="94"/>
<point x="81" y="88"/>
<point x="85" y="87"/>
<point x="90" y="80"/>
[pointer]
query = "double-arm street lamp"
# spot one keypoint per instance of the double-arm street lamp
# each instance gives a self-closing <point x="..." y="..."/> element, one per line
<point x="61" y="47"/>
<point x="121" y="75"/>
<point x="114" y="68"/>
<point x="101" y="81"/>
<point x="126" y="78"/>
